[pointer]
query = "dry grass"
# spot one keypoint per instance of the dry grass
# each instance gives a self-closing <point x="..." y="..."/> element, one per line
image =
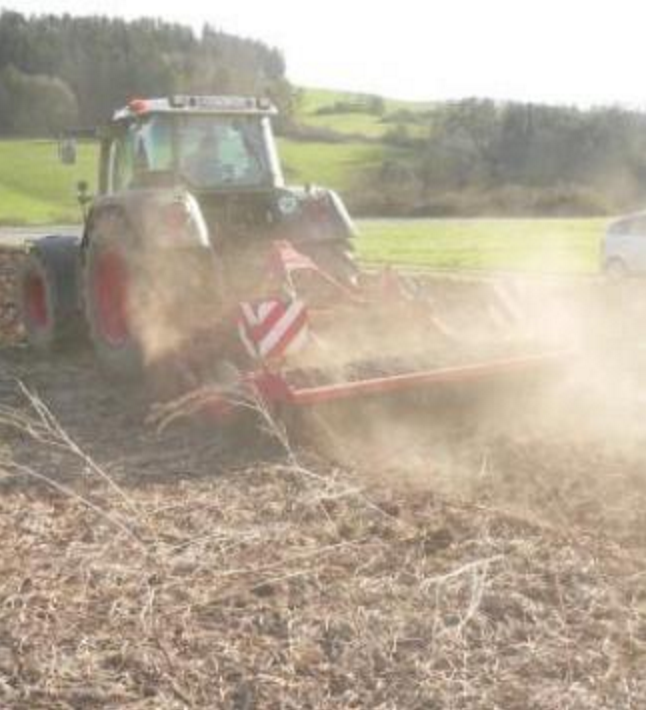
<point x="167" y="570"/>
<point x="291" y="584"/>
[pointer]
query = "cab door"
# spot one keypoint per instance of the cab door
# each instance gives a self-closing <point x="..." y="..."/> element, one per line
<point x="121" y="163"/>
<point x="635" y="245"/>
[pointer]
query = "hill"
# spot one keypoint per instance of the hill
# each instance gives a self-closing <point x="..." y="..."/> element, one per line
<point x="35" y="188"/>
<point x="479" y="157"/>
<point x="471" y="157"/>
<point x="354" y="114"/>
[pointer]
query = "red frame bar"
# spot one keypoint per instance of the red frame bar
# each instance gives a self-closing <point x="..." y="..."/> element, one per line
<point x="274" y="388"/>
<point x="381" y="385"/>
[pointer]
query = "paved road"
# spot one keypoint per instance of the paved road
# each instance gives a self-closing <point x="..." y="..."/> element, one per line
<point x="15" y="236"/>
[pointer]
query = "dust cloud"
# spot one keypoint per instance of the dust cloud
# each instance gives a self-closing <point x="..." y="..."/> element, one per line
<point x="563" y="441"/>
<point x="175" y="308"/>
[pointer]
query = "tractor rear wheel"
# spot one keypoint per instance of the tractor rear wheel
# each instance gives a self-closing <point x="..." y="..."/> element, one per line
<point x="47" y="297"/>
<point x="107" y="290"/>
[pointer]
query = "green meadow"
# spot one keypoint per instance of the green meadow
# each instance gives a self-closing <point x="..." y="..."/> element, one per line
<point x="528" y="245"/>
<point x="36" y="189"/>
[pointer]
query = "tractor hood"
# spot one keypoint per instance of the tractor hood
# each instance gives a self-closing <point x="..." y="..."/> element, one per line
<point x="297" y="214"/>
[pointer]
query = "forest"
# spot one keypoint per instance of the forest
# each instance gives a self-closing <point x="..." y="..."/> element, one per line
<point x="57" y="71"/>
<point x="467" y="157"/>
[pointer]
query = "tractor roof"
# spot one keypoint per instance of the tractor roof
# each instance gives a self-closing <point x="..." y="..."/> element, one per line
<point x="185" y="104"/>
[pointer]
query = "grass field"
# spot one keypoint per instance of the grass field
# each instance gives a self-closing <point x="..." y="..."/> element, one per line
<point x="313" y="99"/>
<point x="364" y="124"/>
<point x="351" y="123"/>
<point x="535" y="245"/>
<point x="335" y="165"/>
<point x="35" y="188"/>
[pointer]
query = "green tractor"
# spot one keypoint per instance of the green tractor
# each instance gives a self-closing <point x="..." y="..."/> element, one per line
<point x="191" y="198"/>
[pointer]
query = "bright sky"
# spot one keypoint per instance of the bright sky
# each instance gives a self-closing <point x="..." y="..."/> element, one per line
<point x="559" y="51"/>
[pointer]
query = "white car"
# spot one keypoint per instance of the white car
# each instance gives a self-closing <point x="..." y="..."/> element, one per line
<point x="624" y="246"/>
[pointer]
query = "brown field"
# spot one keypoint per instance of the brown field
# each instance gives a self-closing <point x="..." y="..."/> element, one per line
<point x="489" y="556"/>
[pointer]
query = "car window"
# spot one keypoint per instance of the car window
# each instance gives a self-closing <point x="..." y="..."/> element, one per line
<point x="634" y="227"/>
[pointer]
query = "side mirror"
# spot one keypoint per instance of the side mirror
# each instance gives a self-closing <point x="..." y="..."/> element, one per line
<point x="67" y="151"/>
<point x="82" y="192"/>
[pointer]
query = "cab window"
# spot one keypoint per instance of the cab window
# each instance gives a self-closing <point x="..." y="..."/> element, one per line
<point x="154" y="145"/>
<point x="217" y="152"/>
<point x="121" y="162"/>
<point x="141" y="148"/>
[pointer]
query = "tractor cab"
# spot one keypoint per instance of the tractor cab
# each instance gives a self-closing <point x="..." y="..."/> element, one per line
<point x="216" y="156"/>
<point x="206" y="144"/>
<point x="213" y="158"/>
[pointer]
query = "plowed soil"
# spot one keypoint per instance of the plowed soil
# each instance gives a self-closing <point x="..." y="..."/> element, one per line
<point x="494" y="561"/>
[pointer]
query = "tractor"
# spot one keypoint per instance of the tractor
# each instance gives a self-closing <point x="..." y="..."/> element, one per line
<point x="199" y="268"/>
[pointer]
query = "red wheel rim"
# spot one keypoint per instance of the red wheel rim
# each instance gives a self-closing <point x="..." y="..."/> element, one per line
<point x="110" y="286"/>
<point x="35" y="295"/>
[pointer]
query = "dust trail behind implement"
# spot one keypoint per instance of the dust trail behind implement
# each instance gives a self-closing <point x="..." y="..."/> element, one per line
<point x="548" y="444"/>
<point x="265" y="583"/>
<point x="501" y="441"/>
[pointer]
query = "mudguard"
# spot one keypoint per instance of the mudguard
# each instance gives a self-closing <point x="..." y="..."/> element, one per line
<point x="314" y="214"/>
<point x="162" y="218"/>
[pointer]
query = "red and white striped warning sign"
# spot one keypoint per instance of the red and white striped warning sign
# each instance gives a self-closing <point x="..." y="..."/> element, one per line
<point x="272" y="328"/>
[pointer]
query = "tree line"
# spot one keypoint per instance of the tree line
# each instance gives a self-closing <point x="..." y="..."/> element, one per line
<point x="62" y="71"/>
<point x="480" y="155"/>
